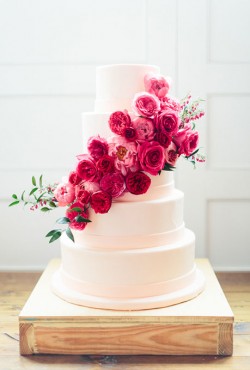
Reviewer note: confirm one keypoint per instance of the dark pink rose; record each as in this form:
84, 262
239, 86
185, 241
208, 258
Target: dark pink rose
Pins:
156, 84
101, 202
97, 147
186, 141
64, 194
144, 128
124, 154
118, 121
167, 122
73, 215
170, 103
113, 183
171, 154
86, 168
130, 133
145, 104
82, 195
74, 179
151, 156
105, 164
163, 139
137, 183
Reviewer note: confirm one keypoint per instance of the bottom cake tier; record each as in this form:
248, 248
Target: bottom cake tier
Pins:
130, 279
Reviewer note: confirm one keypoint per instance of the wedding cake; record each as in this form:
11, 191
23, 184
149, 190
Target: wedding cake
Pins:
136, 254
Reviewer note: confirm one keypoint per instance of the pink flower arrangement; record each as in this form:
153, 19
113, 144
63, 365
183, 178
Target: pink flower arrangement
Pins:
113, 184
86, 168
153, 138
118, 121
167, 122
157, 85
146, 105
75, 212
97, 147
144, 128
101, 201
137, 183
124, 153
152, 157
64, 194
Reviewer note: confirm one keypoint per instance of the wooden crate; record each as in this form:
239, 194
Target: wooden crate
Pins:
203, 325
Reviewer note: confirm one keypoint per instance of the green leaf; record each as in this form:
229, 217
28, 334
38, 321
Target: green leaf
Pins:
63, 220
33, 180
55, 236
41, 181
22, 196
168, 167
52, 204
52, 232
33, 191
196, 151
14, 203
70, 235
40, 196
75, 209
14, 196
79, 218
45, 209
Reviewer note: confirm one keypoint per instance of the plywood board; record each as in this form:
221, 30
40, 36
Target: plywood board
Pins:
202, 325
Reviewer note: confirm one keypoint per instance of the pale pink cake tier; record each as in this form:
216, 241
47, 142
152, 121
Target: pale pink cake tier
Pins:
139, 255
129, 279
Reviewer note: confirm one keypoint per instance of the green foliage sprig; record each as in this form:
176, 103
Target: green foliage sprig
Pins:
39, 197
42, 197
56, 233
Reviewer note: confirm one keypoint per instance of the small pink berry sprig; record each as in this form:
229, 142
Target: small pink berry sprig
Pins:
190, 110
39, 197
196, 157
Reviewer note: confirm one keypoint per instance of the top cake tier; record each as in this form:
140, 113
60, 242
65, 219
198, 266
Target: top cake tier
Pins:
116, 85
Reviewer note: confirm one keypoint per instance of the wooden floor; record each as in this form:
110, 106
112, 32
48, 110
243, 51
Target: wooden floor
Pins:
16, 287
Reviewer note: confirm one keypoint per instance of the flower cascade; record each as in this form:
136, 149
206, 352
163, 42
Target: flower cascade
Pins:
152, 138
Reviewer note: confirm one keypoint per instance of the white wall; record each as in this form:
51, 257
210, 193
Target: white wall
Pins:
48, 53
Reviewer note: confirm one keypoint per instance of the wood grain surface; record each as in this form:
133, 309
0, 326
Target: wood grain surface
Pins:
15, 288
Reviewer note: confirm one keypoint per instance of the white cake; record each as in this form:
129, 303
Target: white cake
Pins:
139, 255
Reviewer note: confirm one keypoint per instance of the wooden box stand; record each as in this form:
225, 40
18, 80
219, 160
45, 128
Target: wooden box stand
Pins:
203, 325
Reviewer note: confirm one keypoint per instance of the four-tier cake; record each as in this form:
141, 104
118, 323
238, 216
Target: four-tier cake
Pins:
138, 255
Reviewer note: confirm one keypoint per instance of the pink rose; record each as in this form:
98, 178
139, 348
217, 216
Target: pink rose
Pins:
86, 168
167, 122
74, 179
113, 183
163, 139
144, 128
186, 141
97, 147
101, 202
91, 187
171, 154
137, 182
130, 133
82, 195
145, 104
118, 121
75, 223
156, 84
152, 157
105, 164
64, 194
124, 154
